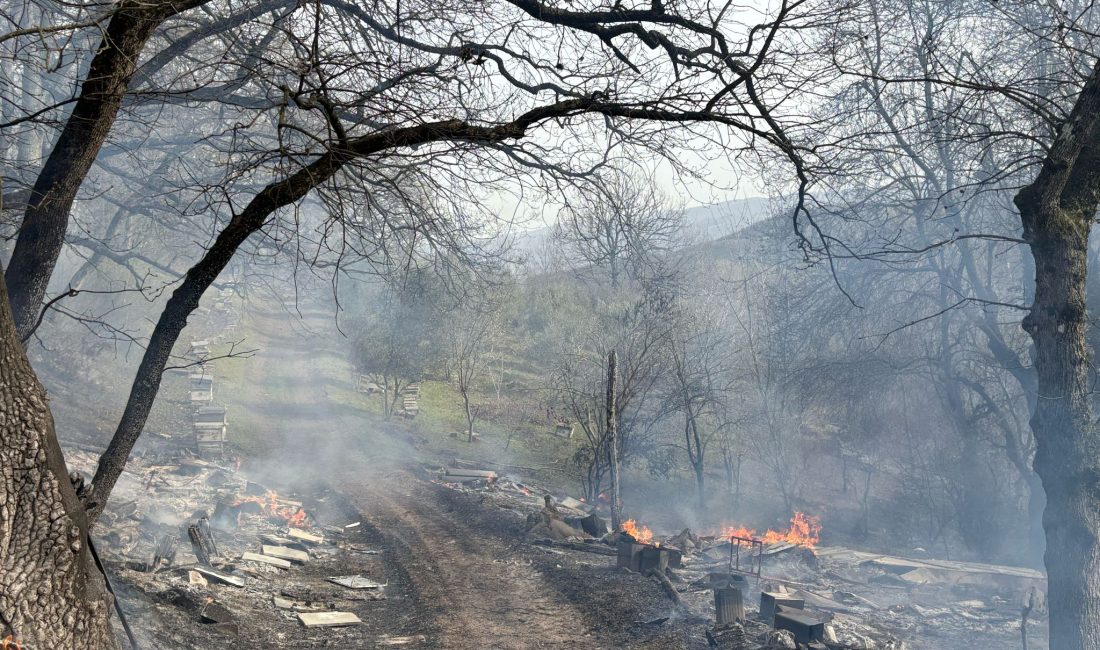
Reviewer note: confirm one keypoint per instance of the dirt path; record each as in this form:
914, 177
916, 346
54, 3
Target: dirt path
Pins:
480, 592
463, 584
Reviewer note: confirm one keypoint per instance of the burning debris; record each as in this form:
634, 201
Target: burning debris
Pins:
235, 567
804, 531
643, 535
782, 588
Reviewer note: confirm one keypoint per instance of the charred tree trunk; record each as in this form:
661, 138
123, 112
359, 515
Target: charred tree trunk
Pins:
46, 218
613, 442
1057, 210
50, 593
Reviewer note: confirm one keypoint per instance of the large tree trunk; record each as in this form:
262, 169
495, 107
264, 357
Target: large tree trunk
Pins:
1056, 212
50, 593
1068, 448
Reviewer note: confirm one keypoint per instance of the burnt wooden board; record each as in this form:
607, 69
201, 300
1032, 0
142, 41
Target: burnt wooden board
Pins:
328, 619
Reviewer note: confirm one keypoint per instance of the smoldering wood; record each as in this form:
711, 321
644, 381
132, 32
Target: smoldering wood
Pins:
470, 473
220, 577
165, 552
200, 545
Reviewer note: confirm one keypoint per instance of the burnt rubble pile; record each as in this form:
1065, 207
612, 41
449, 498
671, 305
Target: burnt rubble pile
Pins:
743, 593
187, 540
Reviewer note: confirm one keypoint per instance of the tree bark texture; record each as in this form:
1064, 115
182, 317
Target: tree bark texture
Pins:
51, 595
1057, 210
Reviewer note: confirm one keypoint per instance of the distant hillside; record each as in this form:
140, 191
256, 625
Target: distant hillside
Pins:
722, 219
703, 223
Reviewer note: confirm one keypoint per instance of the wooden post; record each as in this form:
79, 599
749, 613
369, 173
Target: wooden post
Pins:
613, 442
198, 544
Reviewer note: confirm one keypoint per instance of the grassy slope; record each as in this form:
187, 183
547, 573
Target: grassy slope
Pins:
272, 377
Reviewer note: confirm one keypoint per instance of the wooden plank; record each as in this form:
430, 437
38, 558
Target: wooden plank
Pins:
304, 536
328, 619
273, 561
232, 581
284, 553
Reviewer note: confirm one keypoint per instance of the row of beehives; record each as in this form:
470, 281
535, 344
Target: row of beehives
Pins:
209, 423
410, 395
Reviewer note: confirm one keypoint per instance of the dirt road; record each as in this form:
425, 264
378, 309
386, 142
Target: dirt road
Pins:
459, 576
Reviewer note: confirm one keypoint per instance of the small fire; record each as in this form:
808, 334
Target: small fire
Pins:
9, 643
293, 515
644, 535
805, 530
740, 532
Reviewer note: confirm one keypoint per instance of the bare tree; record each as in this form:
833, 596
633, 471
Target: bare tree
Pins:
1036, 127
398, 338
699, 380
320, 107
470, 330
617, 226
636, 327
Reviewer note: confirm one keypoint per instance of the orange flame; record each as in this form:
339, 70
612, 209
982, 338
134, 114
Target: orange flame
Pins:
643, 535
805, 530
9, 643
269, 503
